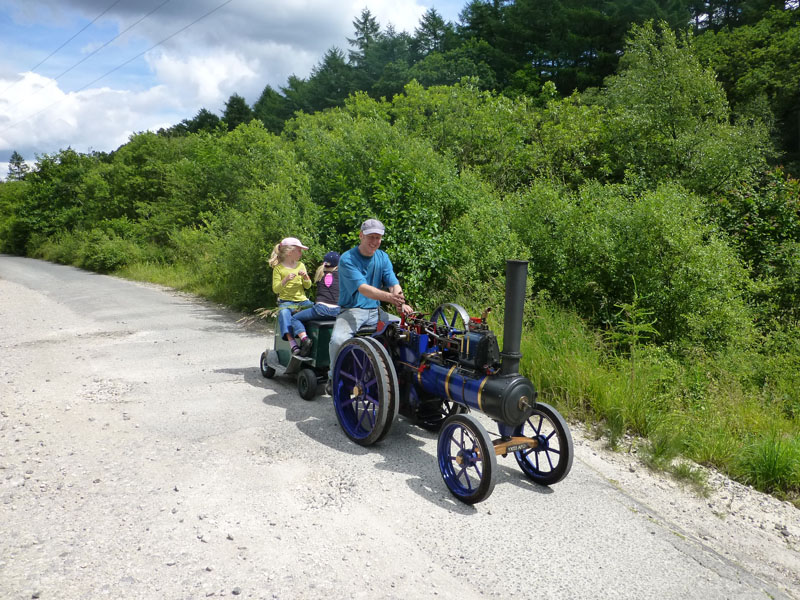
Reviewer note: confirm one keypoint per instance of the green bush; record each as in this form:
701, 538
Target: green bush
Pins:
763, 220
104, 254
362, 167
243, 242
480, 242
589, 247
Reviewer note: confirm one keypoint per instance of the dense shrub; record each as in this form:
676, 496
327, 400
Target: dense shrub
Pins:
590, 248
244, 239
509, 142
95, 250
763, 220
362, 167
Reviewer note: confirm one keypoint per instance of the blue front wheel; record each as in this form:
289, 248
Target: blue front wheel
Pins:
466, 458
551, 460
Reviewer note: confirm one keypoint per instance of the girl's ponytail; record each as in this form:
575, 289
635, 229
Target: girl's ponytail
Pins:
274, 257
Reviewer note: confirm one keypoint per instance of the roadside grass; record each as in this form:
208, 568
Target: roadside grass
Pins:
174, 275
689, 409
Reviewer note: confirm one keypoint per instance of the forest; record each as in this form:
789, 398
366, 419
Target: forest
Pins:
642, 156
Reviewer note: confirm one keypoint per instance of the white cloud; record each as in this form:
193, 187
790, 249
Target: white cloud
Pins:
241, 48
38, 117
204, 80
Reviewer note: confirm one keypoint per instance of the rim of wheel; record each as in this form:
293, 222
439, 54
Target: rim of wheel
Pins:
392, 390
551, 460
360, 387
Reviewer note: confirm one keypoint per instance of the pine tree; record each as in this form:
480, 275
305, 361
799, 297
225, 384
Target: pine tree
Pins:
431, 33
273, 109
17, 168
237, 112
367, 31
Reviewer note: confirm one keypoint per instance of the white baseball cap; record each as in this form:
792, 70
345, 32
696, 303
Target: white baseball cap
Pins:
290, 241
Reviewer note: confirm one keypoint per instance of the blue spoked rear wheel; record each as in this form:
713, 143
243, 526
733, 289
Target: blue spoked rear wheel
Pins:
363, 395
392, 395
551, 460
466, 458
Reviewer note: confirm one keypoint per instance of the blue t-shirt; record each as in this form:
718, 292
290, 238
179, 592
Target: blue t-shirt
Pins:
356, 269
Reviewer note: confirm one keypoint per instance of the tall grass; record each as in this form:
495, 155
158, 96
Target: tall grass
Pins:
690, 407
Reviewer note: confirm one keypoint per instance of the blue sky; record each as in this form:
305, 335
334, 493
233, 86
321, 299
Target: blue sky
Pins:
136, 65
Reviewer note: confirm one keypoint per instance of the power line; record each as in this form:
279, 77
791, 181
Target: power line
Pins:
112, 39
85, 27
95, 51
169, 37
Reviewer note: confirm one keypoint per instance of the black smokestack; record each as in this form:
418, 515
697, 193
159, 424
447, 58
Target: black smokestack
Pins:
516, 277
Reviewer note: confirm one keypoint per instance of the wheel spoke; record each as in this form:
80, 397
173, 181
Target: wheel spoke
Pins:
370, 415
537, 428
467, 481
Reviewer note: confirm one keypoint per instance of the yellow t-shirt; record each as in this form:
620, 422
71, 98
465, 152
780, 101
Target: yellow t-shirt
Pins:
294, 290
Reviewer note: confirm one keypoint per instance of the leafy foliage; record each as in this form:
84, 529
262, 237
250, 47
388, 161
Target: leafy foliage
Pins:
362, 167
671, 117
587, 247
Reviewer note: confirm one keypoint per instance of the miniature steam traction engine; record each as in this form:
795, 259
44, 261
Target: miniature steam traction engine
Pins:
434, 371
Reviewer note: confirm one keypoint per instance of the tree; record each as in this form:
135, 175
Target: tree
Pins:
273, 109
204, 120
484, 20
17, 168
330, 82
298, 94
759, 67
367, 31
672, 116
719, 15
576, 43
431, 34
237, 111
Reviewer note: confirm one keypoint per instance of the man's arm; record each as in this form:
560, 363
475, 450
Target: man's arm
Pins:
393, 296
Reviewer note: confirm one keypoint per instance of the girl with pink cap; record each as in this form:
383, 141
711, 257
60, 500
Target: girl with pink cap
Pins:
290, 281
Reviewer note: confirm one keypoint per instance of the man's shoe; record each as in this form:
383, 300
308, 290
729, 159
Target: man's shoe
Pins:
305, 346
296, 351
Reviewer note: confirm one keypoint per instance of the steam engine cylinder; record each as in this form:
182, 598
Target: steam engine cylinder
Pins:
507, 399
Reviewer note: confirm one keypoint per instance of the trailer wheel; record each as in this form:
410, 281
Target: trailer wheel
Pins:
307, 384
266, 370
361, 392
466, 458
551, 461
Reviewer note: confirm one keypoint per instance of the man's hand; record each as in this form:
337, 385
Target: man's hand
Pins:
397, 298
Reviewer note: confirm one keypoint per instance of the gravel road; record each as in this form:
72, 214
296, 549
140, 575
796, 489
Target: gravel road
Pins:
142, 455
